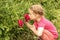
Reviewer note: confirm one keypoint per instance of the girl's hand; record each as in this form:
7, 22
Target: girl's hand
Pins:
29, 26
36, 32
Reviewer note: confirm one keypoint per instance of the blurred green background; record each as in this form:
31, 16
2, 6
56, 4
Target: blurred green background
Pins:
12, 10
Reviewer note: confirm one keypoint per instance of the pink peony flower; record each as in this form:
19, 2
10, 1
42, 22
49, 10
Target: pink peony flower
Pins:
26, 16
21, 23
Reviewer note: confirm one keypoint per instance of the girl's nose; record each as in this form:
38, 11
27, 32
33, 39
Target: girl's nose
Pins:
29, 15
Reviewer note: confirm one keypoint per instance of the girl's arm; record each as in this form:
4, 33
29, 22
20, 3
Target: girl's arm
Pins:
37, 32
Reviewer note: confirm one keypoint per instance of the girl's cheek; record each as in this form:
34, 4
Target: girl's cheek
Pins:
33, 17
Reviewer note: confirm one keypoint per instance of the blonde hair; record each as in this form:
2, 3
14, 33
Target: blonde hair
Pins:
37, 9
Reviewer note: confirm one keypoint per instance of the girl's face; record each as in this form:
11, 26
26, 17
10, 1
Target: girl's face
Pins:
33, 15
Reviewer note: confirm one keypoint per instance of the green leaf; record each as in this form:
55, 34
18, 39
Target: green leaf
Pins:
31, 22
0, 32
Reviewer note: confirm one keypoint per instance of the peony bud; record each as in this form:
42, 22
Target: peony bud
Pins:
21, 23
27, 18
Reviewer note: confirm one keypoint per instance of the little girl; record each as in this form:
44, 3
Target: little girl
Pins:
42, 27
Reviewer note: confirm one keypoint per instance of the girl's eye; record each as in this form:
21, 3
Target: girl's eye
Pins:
29, 14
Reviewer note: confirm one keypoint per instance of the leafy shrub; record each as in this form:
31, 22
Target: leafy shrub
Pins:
12, 10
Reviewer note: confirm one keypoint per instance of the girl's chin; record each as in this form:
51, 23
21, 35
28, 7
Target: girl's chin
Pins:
33, 19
